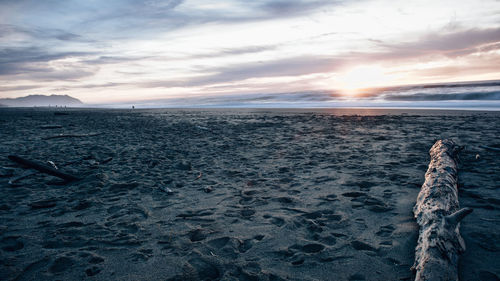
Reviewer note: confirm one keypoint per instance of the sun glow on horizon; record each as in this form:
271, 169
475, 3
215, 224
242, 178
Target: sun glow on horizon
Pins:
363, 77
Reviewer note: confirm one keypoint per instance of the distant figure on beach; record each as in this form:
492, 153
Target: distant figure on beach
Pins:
133, 107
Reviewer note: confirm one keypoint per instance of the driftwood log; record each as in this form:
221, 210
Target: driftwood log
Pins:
43, 168
490, 148
438, 215
72, 136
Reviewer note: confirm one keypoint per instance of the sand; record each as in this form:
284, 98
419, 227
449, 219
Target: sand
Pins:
237, 194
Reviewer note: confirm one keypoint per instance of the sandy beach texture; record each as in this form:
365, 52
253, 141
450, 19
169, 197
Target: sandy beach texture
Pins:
237, 194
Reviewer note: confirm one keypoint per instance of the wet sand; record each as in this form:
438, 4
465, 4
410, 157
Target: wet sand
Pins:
237, 194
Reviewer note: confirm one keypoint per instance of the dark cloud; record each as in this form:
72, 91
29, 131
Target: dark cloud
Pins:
7, 30
48, 74
310, 96
101, 60
249, 99
318, 98
293, 7
454, 44
146, 17
34, 54
237, 51
104, 85
296, 66
17, 88
458, 85
456, 41
32, 63
445, 97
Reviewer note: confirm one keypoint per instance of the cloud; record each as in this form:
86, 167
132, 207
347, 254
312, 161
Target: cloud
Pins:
248, 99
295, 66
445, 97
235, 51
120, 19
459, 43
101, 60
34, 54
9, 30
18, 88
104, 85
36, 64
293, 7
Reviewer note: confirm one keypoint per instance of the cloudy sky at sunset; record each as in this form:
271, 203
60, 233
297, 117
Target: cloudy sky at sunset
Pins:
120, 51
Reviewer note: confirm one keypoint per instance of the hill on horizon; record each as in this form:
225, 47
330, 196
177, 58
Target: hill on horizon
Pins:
42, 100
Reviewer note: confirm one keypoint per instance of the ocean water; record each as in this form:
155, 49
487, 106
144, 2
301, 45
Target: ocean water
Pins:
483, 95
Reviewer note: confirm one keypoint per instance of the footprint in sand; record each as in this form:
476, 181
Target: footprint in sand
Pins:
11, 243
219, 242
312, 248
205, 269
284, 200
354, 194
361, 246
279, 222
357, 277
247, 213
331, 197
245, 245
91, 271
61, 264
198, 234
43, 204
386, 230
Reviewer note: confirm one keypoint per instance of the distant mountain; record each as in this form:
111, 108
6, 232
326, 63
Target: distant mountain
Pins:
42, 100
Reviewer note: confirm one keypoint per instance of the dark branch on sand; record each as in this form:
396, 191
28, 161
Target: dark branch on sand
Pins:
50, 126
438, 215
24, 175
43, 168
490, 148
72, 136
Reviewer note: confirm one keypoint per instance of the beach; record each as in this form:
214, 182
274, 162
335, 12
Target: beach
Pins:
237, 194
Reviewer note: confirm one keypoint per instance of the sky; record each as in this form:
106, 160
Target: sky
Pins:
106, 52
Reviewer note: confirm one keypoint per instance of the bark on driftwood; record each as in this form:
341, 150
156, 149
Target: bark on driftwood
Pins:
438, 215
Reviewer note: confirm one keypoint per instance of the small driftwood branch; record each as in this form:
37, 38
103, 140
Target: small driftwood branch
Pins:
43, 168
438, 215
50, 126
490, 148
26, 174
107, 160
72, 136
